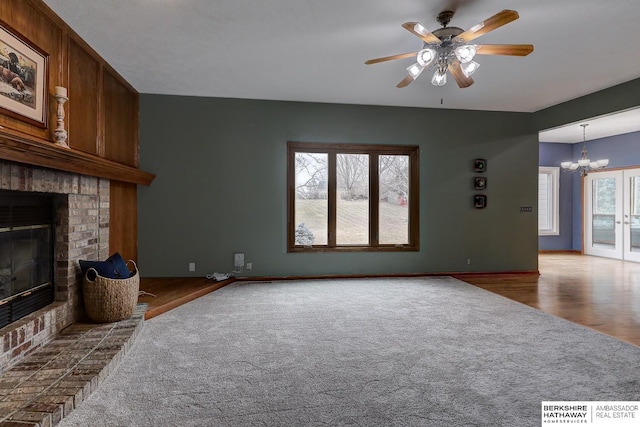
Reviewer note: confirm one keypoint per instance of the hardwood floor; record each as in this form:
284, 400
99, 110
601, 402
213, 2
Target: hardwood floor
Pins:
599, 293
165, 294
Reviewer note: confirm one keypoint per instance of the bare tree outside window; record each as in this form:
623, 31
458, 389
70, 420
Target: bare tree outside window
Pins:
311, 218
352, 197
394, 199
352, 206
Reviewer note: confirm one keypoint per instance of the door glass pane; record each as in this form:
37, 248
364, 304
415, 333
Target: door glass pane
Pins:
604, 212
352, 206
311, 205
393, 227
635, 214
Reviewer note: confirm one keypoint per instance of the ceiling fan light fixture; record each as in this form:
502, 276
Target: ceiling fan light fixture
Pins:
449, 49
439, 78
469, 68
426, 57
465, 53
415, 70
420, 29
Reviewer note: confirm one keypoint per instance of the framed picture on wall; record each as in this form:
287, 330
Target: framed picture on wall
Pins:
23, 78
480, 165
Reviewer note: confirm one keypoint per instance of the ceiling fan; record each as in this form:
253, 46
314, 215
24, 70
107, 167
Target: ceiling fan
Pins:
449, 49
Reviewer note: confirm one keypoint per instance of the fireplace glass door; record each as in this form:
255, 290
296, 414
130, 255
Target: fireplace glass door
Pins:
26, 254
25, 259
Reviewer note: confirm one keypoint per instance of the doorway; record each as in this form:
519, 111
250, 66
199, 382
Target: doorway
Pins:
612, 214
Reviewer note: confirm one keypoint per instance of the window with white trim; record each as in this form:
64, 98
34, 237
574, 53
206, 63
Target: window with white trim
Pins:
548, 201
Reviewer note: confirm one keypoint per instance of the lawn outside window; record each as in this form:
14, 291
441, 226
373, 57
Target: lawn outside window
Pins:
346, 197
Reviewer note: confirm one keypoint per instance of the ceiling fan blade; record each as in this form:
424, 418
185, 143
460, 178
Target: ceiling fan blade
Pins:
406, 82
490, 24
419, 30
391, 58
462, 80
504, 49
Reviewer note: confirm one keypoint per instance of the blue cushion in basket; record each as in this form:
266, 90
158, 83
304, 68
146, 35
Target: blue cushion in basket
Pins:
114, 267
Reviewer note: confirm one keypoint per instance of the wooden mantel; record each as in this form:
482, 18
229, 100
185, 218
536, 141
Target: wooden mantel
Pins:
34, 151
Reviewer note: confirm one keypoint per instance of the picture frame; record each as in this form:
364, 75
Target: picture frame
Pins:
24, 78
479, 183
480, 165
479, 201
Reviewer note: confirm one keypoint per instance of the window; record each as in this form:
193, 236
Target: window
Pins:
352, 197
548, 201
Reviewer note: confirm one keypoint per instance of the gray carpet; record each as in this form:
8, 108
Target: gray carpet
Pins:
383, 352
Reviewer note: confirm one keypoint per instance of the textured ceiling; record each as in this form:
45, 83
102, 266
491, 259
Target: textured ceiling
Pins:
312, 50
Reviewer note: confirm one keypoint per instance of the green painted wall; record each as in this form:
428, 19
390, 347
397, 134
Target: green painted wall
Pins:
221, 185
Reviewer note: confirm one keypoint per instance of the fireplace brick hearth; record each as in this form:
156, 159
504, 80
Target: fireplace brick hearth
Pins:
81, 232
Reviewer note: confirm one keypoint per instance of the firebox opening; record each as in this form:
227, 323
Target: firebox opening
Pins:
26, 253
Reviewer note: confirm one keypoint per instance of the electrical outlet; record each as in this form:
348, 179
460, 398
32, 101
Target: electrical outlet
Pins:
249, 265
238, 260
192, 266
468, 261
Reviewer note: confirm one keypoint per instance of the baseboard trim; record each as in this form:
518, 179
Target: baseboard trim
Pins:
382, 276
570, 252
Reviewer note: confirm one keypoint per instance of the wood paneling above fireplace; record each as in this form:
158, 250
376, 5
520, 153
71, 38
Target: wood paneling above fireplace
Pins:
101, 114
101, 118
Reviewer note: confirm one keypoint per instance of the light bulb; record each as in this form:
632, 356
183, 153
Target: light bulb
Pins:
415, 70
439, 78
469, 68
426, 56
465, 53
418, 28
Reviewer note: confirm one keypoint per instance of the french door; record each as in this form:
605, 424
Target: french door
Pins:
612, 214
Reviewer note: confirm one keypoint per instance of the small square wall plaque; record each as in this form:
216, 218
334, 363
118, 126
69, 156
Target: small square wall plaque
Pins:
480, 165
479, 183
479, 201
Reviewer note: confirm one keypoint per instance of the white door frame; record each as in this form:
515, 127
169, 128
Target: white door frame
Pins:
628, 253
602, 249
621, 247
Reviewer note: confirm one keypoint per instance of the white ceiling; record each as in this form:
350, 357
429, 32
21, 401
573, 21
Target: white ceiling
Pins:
314, 50
598, 127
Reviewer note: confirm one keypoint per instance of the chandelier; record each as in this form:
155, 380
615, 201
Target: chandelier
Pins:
584, 165
441, 57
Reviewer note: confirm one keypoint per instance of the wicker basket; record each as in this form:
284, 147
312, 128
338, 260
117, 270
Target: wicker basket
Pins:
110, 300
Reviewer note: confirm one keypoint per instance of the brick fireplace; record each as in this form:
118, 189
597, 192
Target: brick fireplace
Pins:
81, 231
